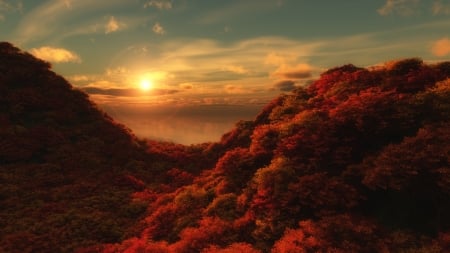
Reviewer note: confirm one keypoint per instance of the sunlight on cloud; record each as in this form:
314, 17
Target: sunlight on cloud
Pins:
113, 25
158, 29
236, 69
79, 78
441, 47
55, 55
68, 4
401, 7
233, 89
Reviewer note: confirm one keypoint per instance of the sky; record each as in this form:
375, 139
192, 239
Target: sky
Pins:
139, 58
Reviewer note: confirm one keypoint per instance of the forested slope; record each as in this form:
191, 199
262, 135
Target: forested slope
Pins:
356, 162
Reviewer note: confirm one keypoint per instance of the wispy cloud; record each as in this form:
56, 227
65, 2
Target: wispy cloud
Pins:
401, 7
158, 29
236, 69
55, 55
440, 7
159, 4
59, 18
441, 47
7, 6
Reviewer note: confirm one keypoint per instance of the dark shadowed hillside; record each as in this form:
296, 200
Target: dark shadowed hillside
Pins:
67, 170
359, 161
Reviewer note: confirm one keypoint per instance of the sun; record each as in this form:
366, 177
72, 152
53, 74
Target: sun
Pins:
146, 84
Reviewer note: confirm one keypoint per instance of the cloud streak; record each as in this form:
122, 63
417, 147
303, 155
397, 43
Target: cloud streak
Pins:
57, 19
55, 55
127, 92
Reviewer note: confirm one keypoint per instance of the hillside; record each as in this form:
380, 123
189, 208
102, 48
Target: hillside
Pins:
356, 162
66, 169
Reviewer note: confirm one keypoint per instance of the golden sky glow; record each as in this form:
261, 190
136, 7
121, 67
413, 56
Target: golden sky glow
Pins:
217, 53
146, 84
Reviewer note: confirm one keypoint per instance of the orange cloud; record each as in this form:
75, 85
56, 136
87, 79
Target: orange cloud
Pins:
233, 89
441, 47
236, 69
186, 86
55, 55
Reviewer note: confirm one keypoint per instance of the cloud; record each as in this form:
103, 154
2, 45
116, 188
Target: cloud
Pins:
58, 19
186, 86
159, 4
301, 71
441, 47
55, 55
158, 29
68, 4
79, 78
440, 8
233, 89
236, 69
113, 25
401, 7
285, 85
127, 92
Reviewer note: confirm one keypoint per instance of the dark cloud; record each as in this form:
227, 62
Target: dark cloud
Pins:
300, 74
301, 71
285, 85
126, 92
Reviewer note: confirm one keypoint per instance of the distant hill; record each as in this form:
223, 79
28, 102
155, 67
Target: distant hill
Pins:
359, 161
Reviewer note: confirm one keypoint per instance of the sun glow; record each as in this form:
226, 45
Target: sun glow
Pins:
146, 84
